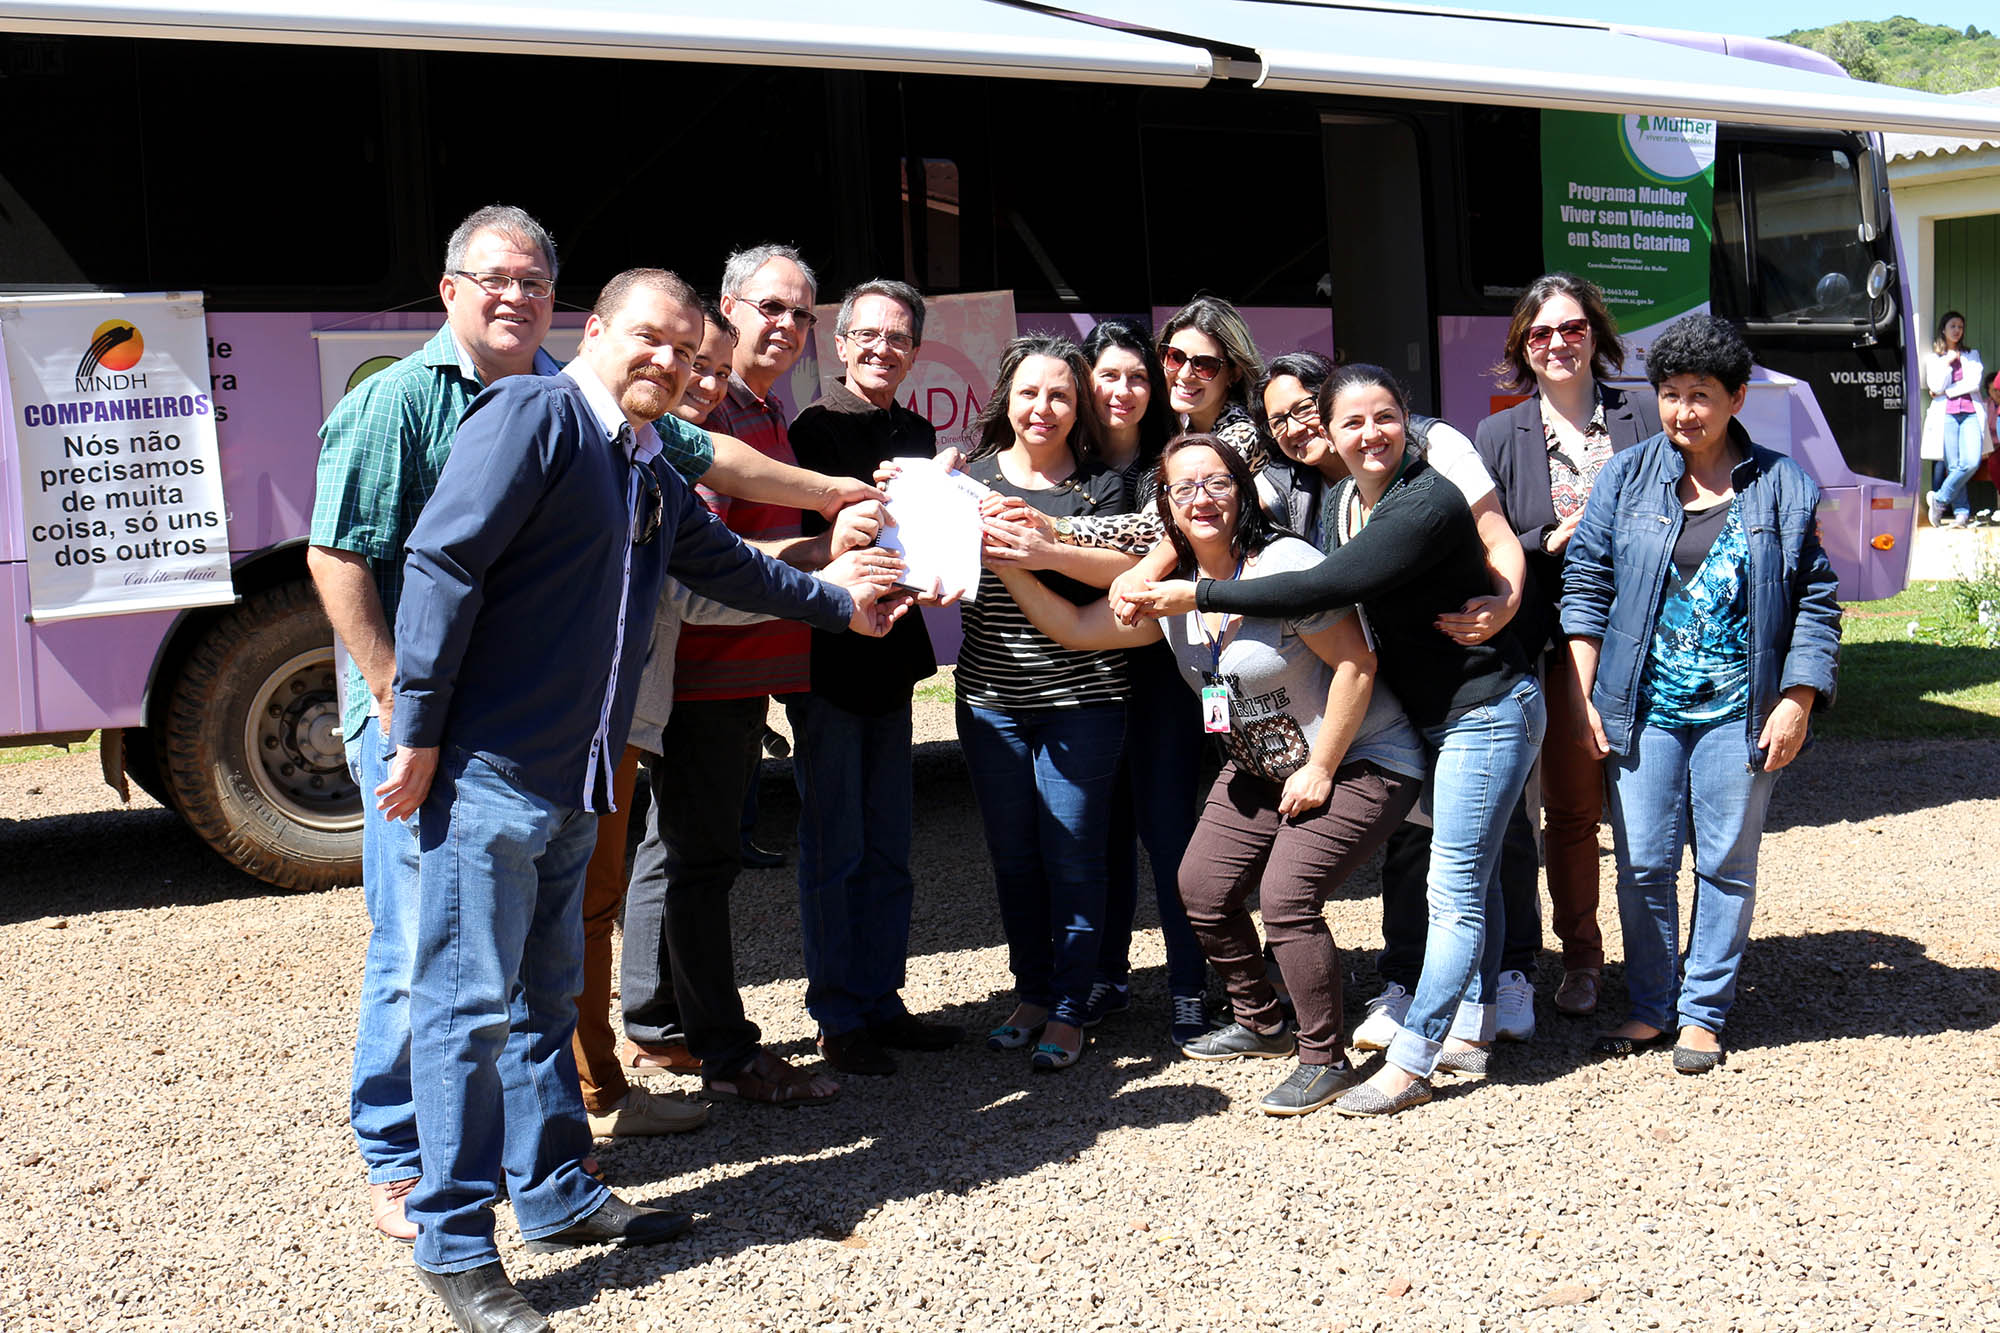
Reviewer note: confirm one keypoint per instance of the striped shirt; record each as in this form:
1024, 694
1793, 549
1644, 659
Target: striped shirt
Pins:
1004, 661
745, 661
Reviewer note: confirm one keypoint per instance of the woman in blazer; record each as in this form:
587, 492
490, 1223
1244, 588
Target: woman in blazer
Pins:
1544, 452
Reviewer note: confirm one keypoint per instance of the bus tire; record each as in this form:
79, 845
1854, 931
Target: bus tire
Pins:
251, 744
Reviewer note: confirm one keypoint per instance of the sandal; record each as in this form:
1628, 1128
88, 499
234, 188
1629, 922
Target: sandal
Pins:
1006, 1037
1049, 1056
770, 1081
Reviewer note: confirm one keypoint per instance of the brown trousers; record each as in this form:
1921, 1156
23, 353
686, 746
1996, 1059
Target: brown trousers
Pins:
1242, 843
1572, 805
595, 1042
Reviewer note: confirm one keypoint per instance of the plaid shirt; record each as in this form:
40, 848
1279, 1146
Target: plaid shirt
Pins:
382, 451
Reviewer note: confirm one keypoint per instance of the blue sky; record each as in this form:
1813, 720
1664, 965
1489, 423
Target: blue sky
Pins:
1765, 19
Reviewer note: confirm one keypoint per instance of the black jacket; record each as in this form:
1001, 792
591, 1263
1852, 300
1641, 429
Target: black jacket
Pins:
1515, 450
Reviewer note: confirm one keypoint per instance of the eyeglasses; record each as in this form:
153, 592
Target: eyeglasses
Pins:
901, 342
497, 284
1219, 485
1572, 331
652, 507
1206, 368
773, 310
1304, 414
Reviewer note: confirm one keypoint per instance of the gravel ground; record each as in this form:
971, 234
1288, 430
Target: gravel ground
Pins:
174, 1151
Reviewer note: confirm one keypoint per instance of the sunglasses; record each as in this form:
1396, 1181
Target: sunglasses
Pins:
652, 507
1572, 331
1206, 368
774, 310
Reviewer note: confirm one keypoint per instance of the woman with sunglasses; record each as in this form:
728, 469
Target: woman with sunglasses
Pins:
1409, 552
1320, 766
1041, 726
1160, 771
1544, 452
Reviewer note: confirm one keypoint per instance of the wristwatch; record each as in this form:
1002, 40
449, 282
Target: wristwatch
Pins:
1065, 527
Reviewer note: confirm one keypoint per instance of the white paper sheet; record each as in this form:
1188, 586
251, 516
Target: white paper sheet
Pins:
937, 528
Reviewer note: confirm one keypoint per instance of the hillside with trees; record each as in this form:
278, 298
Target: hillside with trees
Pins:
1910, 54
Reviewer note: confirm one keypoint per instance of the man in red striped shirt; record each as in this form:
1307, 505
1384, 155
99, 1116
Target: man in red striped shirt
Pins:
723, 679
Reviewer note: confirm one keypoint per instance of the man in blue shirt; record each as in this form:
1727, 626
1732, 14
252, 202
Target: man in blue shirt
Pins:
527, 609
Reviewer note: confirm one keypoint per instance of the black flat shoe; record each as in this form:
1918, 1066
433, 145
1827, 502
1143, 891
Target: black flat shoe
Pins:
615, 1222
760, 858
856, 1052
1632, 1045
1687, 1060
907, 1032
482, 1300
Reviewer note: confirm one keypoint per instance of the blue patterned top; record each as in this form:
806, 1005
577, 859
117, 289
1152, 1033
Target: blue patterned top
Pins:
1698, 671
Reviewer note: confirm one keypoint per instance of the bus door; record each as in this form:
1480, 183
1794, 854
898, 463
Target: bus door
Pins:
1377, 225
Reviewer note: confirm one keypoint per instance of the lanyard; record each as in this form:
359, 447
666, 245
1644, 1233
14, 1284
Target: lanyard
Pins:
1215, 644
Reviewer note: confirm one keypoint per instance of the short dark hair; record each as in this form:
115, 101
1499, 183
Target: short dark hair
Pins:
1310, 369
1512, 369
1254, 530
995, 432
902, 293
1700, 344
617, 291
1158, 425
711, 313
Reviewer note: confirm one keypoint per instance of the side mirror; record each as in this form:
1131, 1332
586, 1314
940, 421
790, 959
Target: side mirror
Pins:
1878, 278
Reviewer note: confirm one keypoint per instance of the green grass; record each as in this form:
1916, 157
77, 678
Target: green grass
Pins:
28, 753
1893, 688
938, 689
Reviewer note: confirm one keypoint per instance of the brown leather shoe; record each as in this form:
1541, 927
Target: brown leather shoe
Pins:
671, 1057
641, 1113
855, 1052
1578, 993
385, 1208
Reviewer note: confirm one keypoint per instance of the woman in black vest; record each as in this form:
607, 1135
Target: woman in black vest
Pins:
1544, 452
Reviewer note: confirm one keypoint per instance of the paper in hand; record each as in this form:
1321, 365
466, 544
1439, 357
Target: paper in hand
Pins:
937, 527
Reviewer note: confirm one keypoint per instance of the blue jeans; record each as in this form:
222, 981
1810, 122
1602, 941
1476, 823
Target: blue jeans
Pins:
379, 1106
1480, 762
1157, 801
1962, 444
492, 1006
855, 811
1043, 777
1406, 915
1677, 785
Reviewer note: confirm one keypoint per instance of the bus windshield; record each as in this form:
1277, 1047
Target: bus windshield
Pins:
1789, 236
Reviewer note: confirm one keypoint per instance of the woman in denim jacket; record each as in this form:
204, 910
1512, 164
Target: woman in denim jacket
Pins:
1704, 631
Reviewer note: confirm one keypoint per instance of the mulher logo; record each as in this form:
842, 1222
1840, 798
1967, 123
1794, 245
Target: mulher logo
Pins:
115, 347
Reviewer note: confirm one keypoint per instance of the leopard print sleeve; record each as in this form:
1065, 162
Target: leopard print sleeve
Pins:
1134, 534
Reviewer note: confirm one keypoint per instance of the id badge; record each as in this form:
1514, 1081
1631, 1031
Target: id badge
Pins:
1215, 708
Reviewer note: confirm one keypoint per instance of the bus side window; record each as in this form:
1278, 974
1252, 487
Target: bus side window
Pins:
1502, 220
930, 224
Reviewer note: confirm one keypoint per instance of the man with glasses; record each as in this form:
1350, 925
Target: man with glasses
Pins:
851, 752
385, 444
526, 615
679, 965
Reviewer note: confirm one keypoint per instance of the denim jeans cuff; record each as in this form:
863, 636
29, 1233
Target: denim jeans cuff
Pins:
388, 1173
1413, 1054
595, 1199
1475, 1022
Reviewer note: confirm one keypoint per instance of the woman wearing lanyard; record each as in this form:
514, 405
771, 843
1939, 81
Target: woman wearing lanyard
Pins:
1543, 453
1415, 554
1320, 768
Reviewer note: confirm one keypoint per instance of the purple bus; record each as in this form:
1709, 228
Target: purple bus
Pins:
1360, 176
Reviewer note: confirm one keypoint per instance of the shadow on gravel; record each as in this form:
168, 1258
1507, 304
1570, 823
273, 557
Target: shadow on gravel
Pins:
1849, 780
945, 1123
1796, 990
111, 861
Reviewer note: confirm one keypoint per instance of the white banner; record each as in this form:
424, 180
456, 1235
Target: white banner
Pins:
349, 356
112, 428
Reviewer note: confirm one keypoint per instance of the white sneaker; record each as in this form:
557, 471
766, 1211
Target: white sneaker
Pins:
1937, 510
1384, 1020
1516, 1005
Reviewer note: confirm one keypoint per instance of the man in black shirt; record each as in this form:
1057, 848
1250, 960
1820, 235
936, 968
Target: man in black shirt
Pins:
851, 734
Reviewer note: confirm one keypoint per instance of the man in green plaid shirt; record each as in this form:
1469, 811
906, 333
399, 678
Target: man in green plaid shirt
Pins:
384, 446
